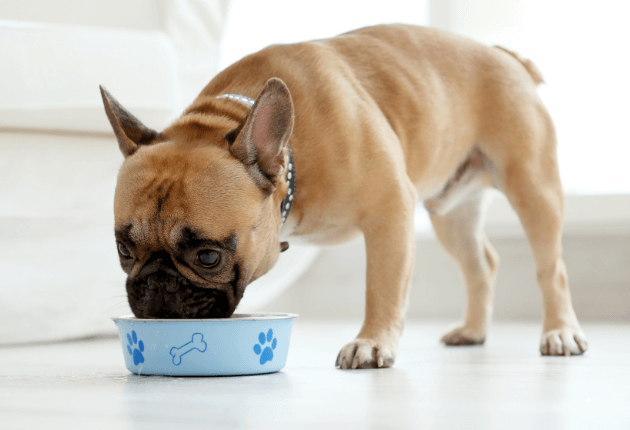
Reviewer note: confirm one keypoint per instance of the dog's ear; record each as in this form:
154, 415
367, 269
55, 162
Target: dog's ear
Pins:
129, 131
260, 141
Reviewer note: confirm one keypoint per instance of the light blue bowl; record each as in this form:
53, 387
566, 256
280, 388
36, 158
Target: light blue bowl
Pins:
245, 344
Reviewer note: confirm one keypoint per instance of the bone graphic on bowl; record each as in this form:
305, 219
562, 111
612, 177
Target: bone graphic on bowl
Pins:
196, 343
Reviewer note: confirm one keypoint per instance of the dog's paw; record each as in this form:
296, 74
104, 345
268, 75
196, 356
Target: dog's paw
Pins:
563, 342
464, 335
364, 354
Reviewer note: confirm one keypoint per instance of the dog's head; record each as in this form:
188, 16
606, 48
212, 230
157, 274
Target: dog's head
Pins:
197, 206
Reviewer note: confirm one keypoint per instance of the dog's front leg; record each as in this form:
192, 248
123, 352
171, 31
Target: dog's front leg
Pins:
390, 245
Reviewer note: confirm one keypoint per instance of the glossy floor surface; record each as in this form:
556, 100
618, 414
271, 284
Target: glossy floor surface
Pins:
505, 384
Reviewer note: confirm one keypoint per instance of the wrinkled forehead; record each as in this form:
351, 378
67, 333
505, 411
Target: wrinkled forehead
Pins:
164, 190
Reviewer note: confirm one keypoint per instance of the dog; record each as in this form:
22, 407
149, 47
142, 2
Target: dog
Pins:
327, 140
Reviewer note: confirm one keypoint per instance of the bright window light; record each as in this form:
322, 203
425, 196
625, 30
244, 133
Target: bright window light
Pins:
252, 24
581, 49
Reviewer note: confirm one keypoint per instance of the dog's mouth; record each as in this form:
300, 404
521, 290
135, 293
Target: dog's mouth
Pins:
170, 295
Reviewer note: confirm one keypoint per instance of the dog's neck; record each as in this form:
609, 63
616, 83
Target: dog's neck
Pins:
287, 201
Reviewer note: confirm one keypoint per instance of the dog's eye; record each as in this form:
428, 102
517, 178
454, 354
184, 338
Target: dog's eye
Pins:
124, 251
208, 258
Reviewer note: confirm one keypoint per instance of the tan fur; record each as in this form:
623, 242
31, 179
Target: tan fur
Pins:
384, 116
528, 64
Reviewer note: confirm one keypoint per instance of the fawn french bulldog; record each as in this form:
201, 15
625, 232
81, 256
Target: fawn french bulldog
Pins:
331, 139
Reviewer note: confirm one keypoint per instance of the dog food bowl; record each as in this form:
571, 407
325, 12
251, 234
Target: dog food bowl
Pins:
244, 344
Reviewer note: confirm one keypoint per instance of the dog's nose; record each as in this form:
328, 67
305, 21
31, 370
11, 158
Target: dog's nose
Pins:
163, 281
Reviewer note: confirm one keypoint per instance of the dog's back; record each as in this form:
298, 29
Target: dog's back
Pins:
443, 94
423, 81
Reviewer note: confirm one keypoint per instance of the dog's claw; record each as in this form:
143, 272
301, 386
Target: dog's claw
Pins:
563, 342
364, 354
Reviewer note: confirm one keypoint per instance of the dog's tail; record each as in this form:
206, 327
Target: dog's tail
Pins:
529, 65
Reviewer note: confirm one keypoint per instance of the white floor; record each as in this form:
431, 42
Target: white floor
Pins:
505, 384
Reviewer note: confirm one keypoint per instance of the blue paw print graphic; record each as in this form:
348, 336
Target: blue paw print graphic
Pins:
132, 342
266, 354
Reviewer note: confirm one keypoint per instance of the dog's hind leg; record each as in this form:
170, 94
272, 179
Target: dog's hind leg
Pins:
534, 191
460, 233
521, 143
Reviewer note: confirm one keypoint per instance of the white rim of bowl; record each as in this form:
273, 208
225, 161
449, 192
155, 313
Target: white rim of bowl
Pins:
235, 317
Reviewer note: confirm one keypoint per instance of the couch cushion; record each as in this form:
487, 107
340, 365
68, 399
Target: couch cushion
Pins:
51, 73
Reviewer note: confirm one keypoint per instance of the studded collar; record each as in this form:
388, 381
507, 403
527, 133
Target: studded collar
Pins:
287, 202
